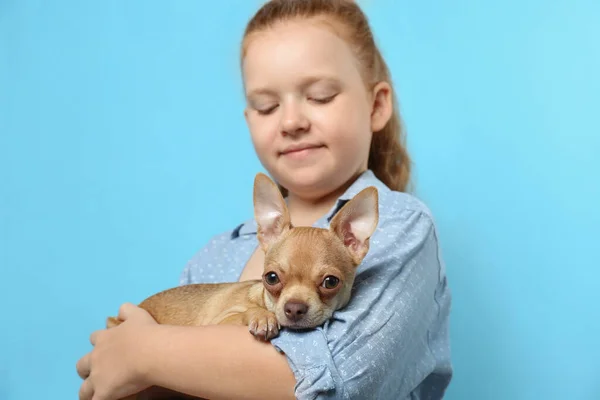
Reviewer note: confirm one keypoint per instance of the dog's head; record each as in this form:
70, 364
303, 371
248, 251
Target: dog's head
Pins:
309, 272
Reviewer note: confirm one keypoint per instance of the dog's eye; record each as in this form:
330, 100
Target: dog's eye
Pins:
330, 282
271, 278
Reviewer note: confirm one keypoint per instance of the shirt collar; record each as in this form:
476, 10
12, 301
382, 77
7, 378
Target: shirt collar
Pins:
364, 180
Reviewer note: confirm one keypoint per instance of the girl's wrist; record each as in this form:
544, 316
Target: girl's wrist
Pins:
144, 358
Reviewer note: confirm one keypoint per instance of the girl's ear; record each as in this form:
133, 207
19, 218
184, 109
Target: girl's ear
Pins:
270, 211
382, 107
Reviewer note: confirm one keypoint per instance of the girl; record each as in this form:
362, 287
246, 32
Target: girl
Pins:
323, 121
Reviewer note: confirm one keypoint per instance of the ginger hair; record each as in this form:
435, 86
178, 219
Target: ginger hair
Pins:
388, 157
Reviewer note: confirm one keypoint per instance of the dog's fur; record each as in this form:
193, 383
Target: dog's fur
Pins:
308, 274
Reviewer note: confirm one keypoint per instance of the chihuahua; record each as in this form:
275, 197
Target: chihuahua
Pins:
308, 273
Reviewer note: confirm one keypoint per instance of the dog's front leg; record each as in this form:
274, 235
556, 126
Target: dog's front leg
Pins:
261, 322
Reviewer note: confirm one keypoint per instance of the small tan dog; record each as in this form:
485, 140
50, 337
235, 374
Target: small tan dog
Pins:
309, 273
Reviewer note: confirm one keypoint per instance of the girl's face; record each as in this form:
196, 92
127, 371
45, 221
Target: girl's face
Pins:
309, 113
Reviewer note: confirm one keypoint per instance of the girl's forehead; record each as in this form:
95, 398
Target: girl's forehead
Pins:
293, 48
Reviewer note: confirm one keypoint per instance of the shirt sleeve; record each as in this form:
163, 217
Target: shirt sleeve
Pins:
390, 340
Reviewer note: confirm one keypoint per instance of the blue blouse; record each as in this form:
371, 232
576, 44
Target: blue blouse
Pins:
392, 340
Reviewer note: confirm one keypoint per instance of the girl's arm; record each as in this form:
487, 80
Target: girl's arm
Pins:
216, 362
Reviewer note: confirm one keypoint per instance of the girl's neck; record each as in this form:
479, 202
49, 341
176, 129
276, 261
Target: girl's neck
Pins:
305, 211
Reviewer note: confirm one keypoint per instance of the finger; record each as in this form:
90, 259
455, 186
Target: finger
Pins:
95, 336
83, 366
126, 310
86, 391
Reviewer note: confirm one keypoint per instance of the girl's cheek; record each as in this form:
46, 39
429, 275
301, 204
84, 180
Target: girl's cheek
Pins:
265, 141
261, 129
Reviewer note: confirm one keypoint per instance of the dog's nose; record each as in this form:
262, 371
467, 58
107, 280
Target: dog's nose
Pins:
295, 310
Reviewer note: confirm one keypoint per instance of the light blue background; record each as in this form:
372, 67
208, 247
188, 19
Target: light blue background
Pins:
123, 148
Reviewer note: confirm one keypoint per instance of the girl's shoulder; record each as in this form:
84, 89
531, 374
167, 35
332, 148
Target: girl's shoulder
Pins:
406, 231
399, 212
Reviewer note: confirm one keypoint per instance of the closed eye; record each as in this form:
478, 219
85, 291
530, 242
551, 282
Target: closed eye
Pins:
323, 100
267, 111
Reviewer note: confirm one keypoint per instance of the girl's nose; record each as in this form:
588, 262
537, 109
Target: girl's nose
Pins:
293, 120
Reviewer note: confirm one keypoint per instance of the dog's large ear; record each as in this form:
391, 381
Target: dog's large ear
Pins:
270, 211
356, 221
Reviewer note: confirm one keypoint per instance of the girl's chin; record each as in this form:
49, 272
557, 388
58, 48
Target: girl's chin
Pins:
304, 178
310, 188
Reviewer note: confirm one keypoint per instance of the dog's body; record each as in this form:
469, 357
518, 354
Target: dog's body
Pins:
308, 274
212, 304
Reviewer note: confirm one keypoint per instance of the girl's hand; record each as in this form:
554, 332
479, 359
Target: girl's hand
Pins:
114, 369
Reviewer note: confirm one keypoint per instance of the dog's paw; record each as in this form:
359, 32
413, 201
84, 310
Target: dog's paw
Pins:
264, 325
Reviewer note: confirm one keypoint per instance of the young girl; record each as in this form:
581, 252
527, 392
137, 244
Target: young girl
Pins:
323, 121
